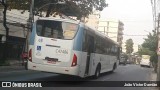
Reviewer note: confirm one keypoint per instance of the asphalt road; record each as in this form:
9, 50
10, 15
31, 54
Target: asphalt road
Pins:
123, 73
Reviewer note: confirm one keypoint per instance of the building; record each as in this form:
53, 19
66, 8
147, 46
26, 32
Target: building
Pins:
93, 19
112, 28
17, 33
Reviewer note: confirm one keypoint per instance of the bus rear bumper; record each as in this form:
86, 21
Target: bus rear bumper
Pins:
145, 64
54, 69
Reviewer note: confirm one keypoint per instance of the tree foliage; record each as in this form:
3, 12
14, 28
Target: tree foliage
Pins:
78, 8
125, 56
151, 43
129, 46
144, 51
5, 49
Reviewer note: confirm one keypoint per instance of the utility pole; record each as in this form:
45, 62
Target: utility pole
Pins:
5, 49
158, 51
30, 23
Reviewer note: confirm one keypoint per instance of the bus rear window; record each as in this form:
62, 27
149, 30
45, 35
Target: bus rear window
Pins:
56, 29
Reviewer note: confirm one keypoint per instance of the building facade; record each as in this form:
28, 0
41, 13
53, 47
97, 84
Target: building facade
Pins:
112, 28
16, 23
93, 19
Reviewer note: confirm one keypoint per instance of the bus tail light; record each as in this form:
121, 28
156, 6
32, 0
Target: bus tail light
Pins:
30, 55
74, 61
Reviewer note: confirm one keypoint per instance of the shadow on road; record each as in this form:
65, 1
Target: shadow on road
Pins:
71, 81
60, 77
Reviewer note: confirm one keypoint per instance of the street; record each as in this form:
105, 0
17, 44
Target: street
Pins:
123, 73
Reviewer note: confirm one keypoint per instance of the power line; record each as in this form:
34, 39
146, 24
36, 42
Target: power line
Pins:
133, 35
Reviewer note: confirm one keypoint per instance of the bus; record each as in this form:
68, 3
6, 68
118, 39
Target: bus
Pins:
145, 61
70, 47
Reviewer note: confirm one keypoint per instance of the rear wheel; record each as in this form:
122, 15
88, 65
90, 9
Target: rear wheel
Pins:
114, 67
97, 73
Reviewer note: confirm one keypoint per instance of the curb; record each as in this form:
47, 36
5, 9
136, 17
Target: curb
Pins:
11, 68
154, 78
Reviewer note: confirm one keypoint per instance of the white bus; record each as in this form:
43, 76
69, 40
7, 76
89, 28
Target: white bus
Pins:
70, 47
145, 61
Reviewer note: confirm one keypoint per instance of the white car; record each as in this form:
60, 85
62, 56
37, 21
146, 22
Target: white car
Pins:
145, 61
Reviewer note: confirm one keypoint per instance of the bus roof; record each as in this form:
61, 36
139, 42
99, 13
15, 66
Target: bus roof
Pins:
58, 19
102, 35
77, 22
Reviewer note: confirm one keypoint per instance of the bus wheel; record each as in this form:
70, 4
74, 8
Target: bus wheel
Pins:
114, 67
98, 70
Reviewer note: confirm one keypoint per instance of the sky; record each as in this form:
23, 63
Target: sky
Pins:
135, 14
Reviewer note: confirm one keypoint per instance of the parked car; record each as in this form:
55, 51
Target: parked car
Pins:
122, 60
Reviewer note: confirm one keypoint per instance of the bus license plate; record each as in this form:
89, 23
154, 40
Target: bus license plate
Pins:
51, 61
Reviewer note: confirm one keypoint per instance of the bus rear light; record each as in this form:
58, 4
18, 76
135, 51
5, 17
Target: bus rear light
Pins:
74, 61
30, 55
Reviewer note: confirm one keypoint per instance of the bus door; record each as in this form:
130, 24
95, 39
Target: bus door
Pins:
90, 49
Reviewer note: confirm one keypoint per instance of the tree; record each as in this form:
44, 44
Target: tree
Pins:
151, 43
5, 49
78, 8
129, 46
144, 51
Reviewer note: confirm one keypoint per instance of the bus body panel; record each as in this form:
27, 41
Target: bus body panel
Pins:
53, 69
82, 64
106, 62
48, 48
60, 68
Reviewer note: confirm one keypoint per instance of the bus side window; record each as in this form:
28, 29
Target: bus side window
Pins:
118, 53
112, 49
106, 48
109, 48
84, 46
103, 45
97, 45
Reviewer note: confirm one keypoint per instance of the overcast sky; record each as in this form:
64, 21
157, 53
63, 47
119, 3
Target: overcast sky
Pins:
135, 14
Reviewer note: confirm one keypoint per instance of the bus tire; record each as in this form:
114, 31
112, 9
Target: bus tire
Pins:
114, 67
98, 70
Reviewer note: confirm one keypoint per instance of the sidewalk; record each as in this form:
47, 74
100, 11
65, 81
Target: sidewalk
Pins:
154, 78
14, 66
